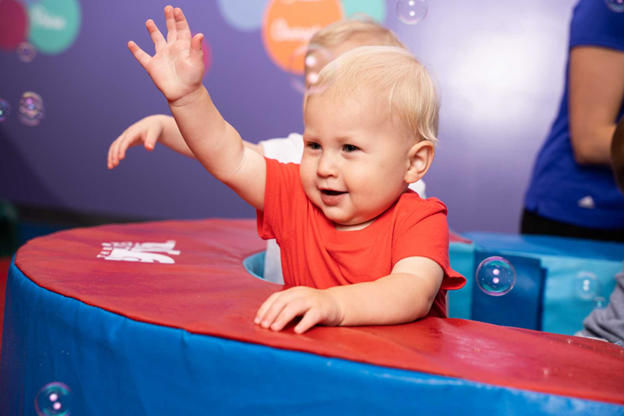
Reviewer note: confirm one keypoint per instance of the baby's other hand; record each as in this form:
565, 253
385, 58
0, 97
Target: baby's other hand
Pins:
177, 67
145, 131
315, 305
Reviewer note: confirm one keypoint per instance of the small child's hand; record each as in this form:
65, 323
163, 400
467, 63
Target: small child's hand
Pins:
177, 67
145, 131
317, 307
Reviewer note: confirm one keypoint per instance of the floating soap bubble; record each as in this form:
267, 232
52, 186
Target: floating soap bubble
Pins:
305, 65
53, 399
586, 285
26, 52
411, 12
5, 109
31, 110
600, 302
615, 5
496, 276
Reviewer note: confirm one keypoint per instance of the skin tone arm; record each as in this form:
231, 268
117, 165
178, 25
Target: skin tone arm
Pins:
596, 86
177, 69
152, 129
617, 155
403, 296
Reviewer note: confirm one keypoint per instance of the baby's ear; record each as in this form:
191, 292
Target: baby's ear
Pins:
419, 159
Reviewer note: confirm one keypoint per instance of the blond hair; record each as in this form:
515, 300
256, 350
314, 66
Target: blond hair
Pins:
386, 71
341, 31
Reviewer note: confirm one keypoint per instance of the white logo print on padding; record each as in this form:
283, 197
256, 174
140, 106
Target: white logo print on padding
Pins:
587, 202
141, 252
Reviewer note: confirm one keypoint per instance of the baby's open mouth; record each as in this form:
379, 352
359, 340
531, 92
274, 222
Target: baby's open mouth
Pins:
330, 192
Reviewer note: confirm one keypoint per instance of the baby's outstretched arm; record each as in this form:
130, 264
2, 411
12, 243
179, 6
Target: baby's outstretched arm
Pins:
177, 69
150, 130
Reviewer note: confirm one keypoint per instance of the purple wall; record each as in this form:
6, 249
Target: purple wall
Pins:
499, 67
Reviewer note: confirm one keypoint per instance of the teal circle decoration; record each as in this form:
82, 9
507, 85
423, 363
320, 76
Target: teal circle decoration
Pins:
244, 15
373, 8
54, 25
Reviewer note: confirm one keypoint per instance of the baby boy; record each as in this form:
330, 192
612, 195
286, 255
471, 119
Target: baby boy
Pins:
358, 247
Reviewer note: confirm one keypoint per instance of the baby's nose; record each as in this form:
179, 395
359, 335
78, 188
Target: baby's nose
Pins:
326, 167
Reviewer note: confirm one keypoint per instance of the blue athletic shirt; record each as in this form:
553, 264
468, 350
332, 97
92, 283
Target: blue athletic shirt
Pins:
560, 189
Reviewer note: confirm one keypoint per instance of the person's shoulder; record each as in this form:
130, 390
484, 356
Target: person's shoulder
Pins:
411, 201
292, 137
276, 165
295, 136
411, 205
286, 150
594, 24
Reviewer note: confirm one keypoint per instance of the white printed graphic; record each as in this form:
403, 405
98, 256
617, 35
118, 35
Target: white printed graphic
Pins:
586, 202
141, 252
282, 32
44, 18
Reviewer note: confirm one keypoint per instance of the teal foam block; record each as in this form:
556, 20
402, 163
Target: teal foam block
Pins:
462, 261
563, 258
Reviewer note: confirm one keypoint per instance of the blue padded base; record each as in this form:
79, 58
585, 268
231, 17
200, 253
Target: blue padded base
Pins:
118, 366
522, 306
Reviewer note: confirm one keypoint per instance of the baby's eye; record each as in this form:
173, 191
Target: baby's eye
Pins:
350, 148
313, 146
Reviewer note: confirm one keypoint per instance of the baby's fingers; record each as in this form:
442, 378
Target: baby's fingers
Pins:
172, 33
311, 318
196, 48
139, 54
112, 150
150, 139
110, 155
182, 27
261, 316
124, 143
115, 153
290, 312
157, 37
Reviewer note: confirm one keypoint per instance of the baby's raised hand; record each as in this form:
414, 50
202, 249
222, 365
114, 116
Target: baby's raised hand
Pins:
315, 305
177, 67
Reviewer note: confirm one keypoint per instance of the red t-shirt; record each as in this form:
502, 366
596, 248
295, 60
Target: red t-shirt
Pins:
315, 254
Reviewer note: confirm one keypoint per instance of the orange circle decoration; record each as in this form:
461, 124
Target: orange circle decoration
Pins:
289, 24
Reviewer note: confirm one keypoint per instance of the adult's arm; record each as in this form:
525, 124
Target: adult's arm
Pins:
596, 94
617, 155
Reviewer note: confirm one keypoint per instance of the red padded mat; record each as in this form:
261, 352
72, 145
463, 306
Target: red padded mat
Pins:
4, 270
208, 291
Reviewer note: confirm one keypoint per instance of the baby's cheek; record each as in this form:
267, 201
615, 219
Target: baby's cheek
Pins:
307, 182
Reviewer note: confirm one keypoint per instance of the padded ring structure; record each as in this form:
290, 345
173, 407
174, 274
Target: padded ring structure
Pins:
157, 318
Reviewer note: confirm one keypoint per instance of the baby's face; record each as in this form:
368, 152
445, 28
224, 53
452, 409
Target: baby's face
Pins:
354, 159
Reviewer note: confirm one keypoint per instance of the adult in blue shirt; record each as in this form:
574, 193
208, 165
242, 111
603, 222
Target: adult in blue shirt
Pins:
608, 323
573, 192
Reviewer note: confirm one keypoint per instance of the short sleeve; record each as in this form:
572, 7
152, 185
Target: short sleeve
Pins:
425, 233
594, 24
282, 195
289, 150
